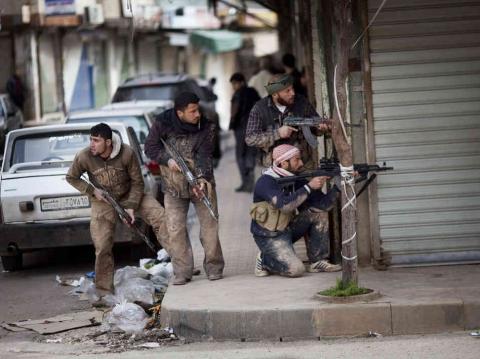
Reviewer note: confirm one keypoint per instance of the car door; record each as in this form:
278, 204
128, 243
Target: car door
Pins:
148, 179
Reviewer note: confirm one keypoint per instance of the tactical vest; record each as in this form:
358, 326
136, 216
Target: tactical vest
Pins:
269, 217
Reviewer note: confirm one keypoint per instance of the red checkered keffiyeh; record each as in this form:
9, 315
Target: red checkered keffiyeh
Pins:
283, 153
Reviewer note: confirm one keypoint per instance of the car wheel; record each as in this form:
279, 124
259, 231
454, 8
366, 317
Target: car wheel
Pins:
12, 263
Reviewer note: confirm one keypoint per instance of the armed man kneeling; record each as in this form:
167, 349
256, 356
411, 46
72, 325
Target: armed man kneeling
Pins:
281, 216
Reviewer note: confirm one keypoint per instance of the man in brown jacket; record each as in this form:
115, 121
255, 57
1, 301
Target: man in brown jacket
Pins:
115, 166
192, 135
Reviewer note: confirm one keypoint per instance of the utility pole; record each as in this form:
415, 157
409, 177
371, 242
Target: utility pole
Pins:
341, 12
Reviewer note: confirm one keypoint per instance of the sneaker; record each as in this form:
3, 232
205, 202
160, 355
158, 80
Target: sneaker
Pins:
259, 270
322, 266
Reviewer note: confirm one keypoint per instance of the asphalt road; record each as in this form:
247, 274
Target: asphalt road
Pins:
445, 346
33, 293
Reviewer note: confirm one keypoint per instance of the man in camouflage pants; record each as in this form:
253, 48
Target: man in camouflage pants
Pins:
115, 166
192, 135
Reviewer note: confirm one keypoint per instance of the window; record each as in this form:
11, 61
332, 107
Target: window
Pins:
138, 123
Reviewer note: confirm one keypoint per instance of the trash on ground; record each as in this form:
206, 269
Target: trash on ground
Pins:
128, 272
61, 323
475, 334
90, 275
58, 340
128, 317
374, 335
149, 345
162, 256
70, 282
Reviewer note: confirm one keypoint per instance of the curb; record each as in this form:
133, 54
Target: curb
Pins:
324, 320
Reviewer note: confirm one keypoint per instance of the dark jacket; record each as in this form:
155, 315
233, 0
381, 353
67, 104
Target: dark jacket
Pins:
290, 198
242, 102
264, 121
195, 144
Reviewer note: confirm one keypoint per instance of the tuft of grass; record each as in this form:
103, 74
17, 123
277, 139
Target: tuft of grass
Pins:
347, 290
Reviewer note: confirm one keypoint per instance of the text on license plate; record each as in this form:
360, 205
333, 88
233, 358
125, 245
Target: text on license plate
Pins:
62, 203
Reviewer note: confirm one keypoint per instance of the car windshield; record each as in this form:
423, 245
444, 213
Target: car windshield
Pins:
157, 92
47, 150
138, 123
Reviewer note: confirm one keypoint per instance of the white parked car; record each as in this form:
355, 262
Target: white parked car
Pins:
38, 207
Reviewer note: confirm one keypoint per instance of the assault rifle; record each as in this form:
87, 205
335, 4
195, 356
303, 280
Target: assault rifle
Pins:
122, 213
331, 168
191, 179
305, 123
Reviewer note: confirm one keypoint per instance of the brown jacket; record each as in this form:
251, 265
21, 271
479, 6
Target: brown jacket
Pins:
120, 174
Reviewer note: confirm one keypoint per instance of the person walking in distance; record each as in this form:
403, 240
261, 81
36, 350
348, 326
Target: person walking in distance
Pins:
243, 100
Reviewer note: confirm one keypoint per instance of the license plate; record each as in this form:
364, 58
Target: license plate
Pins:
63, 203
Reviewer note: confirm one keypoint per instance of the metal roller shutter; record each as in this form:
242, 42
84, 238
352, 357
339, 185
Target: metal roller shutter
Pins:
425, 58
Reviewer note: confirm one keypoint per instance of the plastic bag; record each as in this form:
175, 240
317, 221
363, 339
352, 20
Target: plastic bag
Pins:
159, 282
161, 269
128, 317
128, 272
163, 256
87, 288
135, 289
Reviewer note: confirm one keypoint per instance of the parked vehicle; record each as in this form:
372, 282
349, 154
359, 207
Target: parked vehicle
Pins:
166, 87
38, 208
139, 117
11, 118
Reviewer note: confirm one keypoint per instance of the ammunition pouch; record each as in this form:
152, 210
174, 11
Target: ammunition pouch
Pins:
269, 217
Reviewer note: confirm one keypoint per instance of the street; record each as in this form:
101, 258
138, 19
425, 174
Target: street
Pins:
445, 346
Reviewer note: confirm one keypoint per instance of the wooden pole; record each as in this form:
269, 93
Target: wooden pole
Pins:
341, 30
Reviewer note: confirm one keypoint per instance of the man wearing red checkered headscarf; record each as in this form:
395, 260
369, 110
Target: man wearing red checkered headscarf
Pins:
282, 215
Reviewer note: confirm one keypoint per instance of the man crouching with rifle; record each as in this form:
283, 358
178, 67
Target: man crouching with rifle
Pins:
113, 166
282, 215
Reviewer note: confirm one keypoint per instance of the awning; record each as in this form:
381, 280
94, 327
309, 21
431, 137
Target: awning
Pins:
216, 40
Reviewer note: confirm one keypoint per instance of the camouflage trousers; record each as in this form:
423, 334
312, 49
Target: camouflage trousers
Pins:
102, 229
278, 255
177, 211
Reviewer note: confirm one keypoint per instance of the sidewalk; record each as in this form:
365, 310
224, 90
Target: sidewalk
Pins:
243, 307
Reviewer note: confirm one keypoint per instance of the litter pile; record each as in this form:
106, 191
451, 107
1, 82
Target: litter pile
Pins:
133, 321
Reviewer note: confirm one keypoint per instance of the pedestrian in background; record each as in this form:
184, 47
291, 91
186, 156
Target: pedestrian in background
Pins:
192, 135
243, 99
16, 90
262, 77
289, 66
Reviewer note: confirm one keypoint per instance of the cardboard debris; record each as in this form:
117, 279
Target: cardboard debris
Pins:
60, 323
13, 328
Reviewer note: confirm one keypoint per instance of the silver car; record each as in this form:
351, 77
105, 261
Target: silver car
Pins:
38, 207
